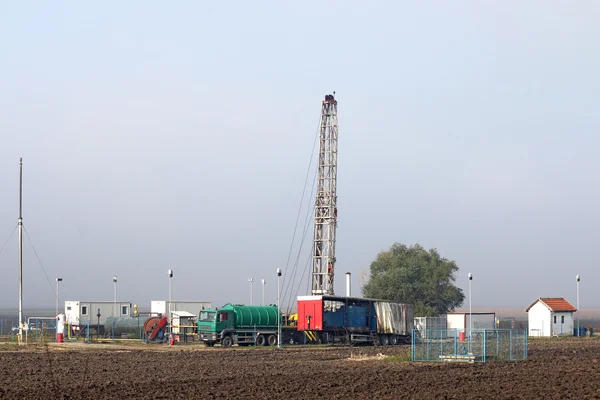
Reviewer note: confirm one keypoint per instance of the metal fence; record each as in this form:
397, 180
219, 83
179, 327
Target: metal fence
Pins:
480, 346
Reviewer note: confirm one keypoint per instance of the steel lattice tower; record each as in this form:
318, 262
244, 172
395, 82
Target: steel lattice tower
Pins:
326, 201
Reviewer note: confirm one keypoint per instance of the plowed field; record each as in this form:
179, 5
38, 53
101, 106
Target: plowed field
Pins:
556, 369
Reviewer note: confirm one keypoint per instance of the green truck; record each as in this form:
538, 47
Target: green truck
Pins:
239, 324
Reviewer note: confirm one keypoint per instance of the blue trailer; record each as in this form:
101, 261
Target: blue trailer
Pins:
355, 320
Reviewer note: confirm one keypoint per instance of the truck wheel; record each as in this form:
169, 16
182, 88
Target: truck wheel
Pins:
272, 340
384, 340
227, 341
394, 340
261, 340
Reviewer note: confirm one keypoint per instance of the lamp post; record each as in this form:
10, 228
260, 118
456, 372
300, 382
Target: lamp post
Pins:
263, 282
278, 309
577, 278
250, 280
57, 296
170, 274
115, 296
470, 312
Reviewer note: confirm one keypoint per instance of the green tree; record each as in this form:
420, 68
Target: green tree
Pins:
415, 276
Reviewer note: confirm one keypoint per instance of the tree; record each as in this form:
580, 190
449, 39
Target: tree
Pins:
415, 276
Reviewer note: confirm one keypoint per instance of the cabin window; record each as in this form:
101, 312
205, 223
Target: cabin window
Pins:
562, 319
124, 310
223, 317
555, 319
83, 310
68, 308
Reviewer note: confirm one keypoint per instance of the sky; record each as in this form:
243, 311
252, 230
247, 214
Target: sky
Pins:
179, 136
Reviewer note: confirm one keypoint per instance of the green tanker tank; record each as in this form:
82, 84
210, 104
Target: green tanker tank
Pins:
241, 324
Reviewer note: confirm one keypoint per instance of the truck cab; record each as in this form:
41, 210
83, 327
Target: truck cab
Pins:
214, 324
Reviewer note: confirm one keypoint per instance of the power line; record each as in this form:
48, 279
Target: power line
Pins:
39, 261
309, 212
288, 282
7, 240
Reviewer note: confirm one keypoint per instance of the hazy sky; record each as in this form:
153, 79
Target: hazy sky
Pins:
178, 136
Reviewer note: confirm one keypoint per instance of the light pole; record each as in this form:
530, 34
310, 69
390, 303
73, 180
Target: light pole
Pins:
115, 296
250, 280
57, 296
470, 312
278, 309
170, 273
263, 282
577, 278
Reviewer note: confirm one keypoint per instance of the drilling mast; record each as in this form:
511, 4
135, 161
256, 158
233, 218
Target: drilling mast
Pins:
326, 200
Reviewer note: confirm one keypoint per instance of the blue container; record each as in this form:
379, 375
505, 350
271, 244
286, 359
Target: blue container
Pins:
334, 318
357, 317
581, 331
574, 331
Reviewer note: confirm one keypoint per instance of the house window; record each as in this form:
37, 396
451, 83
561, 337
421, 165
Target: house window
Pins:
69, 308
83, 310
124, 310
562, 319
555, 319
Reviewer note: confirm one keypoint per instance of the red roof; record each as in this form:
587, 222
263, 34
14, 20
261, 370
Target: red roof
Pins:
554, 304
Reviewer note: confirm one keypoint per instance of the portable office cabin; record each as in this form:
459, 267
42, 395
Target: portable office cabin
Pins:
84, 312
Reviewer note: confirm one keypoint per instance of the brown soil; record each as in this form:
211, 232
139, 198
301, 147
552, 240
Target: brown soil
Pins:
559, 368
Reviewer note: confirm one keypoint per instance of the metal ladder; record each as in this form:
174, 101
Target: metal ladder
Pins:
375, 338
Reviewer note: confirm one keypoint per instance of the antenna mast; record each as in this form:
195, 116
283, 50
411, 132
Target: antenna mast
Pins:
326, 200
21, 251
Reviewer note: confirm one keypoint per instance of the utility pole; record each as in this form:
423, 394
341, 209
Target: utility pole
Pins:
326, 200
115, 297
20, 251
251, 291
170, 273
578, 279
58, 280
263, 282
470, 313
278, 308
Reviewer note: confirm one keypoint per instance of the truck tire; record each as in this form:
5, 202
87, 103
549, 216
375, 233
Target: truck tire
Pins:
227, 341
384, 340
394, 340
272, 340
261, 340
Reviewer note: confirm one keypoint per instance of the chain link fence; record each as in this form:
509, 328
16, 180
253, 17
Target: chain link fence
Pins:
481, 345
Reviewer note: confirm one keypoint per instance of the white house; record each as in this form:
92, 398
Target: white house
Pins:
550, 316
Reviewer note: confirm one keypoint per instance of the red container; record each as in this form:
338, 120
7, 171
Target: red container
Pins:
310, 313
461, 336
171, 340
59, 338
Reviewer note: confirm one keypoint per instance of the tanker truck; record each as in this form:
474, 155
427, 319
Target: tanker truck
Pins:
243, 325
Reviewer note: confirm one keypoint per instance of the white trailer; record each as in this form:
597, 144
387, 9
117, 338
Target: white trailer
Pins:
81, 313
193, 307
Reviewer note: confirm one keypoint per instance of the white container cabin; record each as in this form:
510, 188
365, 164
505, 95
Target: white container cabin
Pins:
80, 313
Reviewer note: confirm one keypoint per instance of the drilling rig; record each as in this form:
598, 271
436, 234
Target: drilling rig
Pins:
326, 200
